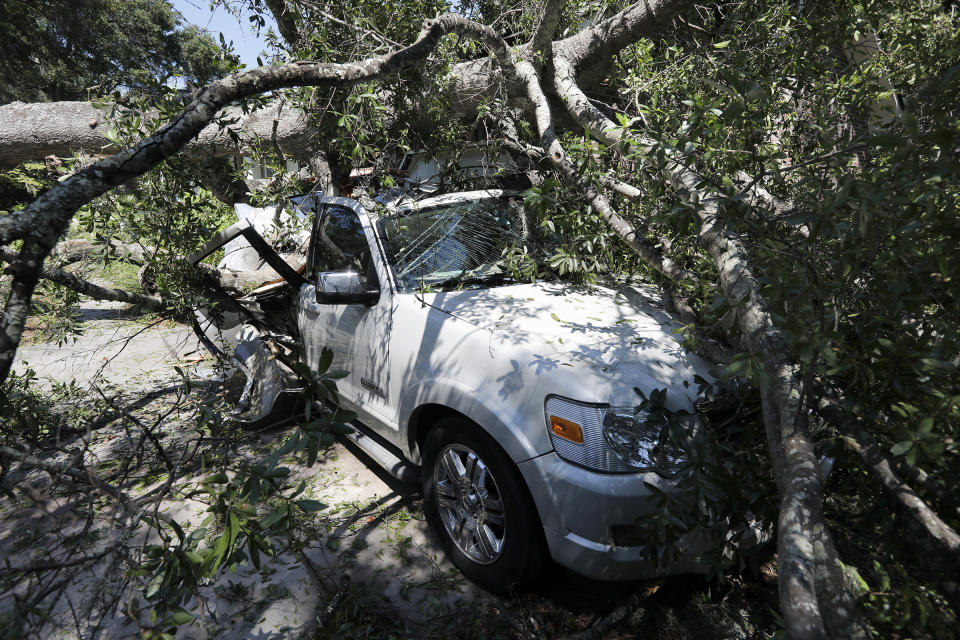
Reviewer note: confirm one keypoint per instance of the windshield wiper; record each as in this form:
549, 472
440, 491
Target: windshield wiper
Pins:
464, 279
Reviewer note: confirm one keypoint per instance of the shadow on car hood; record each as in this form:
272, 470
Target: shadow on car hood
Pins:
562, 317
612, 340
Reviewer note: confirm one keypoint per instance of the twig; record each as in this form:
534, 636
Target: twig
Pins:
335, 601
598, 629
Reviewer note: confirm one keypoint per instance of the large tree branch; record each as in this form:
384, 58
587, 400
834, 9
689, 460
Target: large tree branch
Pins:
42, 222
596, 45
542, 41
76, 250
286, 22
589, 51
33, 131
579, 105
814, 599
813, 595
90, 289
880, 467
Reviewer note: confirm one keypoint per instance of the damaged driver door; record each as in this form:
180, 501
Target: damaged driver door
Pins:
343, 306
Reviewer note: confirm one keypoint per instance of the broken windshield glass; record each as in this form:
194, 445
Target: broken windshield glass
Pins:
457, 244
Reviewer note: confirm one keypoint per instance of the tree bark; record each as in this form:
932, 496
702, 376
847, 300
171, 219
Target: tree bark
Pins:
90, 289
36, 130
590, 52
219, 177
70, 251
881, 468
286, 22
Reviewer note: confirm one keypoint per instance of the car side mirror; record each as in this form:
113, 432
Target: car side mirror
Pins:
344, 287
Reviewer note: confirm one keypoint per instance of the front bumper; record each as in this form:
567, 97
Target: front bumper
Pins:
579, 508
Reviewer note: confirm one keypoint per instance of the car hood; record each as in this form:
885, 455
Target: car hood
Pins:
611, 340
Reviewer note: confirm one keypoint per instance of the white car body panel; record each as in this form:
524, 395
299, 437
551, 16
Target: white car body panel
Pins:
500, 352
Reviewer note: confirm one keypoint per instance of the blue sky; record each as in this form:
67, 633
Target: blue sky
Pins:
246, 44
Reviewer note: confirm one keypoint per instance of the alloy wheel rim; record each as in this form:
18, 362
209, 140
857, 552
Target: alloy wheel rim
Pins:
469, 503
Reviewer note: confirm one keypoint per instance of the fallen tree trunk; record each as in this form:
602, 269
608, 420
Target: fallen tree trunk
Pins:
36, 130
90, 289
78, 250
814, 598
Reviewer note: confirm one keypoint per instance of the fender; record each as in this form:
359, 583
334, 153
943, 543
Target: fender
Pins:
492, 417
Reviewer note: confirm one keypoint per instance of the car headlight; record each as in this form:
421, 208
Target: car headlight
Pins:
610, 439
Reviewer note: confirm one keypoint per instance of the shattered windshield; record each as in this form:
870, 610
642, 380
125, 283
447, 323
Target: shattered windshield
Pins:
452, 245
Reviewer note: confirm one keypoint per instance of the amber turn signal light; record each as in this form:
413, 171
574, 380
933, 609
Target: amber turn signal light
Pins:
567, 430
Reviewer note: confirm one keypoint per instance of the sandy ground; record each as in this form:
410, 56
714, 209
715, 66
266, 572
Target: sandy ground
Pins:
373, 529
114, 349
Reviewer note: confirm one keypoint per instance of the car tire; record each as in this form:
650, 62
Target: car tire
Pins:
478, 504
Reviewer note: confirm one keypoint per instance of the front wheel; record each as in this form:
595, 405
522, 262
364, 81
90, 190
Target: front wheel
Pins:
477, 503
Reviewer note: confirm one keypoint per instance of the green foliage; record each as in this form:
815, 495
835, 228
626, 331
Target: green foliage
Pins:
167, 210
724, 499
23, 184
33, 414
250, 505
78, 49
576, 237
55, 312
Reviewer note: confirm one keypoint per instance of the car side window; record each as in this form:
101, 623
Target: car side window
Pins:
341, 245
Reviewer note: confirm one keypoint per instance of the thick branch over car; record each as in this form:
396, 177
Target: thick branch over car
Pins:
46, 219
36, 130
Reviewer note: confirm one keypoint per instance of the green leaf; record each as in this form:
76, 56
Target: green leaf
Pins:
234, 530
886, 343
344, 415
274, 517
326, 358
930, 364
154, 587
901, 447
722, 45
177, 617
217, 478
253, 551
300, 489
310, 505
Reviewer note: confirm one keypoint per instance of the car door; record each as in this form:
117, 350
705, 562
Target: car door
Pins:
342, 242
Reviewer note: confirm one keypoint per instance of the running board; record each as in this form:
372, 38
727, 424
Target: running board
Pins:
401, 469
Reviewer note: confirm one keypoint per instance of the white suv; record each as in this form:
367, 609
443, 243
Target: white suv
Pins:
515, 400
